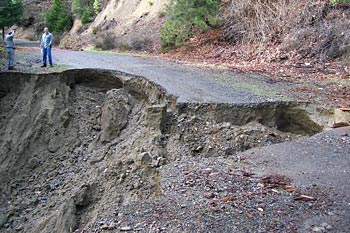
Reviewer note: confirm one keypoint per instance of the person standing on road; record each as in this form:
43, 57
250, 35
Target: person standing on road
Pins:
10, 47
45, 45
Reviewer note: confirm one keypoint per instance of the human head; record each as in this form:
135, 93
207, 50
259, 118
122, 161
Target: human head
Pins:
46, 30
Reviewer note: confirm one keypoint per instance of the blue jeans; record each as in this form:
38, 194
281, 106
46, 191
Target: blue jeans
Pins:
11, 55
47, 53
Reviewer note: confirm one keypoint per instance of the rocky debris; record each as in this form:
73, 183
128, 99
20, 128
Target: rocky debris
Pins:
156, 117
202, 137
215, 194
106, 157
324, 227
341, 117
126, 228
62, 220
115, 113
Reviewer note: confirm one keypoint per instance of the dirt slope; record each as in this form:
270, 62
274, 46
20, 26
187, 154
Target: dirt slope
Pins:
127, 21
94, 150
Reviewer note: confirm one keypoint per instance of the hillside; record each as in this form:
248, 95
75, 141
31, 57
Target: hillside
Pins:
307, 28
121, 23
278, 38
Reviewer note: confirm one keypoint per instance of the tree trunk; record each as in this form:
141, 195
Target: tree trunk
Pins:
3, 34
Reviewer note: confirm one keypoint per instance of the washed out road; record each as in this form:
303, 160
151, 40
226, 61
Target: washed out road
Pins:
321, 161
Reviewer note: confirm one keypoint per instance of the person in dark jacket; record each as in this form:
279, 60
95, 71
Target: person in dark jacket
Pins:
45, 45
10, 47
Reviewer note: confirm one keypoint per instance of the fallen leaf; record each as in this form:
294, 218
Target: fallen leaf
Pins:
249, 215
344, 108
290, 188
229, 198
213, 208
304, 198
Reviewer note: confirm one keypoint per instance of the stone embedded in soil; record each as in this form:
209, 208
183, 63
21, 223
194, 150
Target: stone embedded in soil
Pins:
144, 158
326, 226
156, 117
115, 112
318, 229
126, 228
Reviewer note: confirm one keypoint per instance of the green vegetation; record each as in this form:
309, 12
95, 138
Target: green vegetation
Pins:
2, 53
184, 16
339, 1
86, 10
58, 18
85, 18
97, 6
77, 8
10, 13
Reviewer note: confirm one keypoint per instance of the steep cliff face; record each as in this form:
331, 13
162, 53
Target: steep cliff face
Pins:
130, 11
126, 20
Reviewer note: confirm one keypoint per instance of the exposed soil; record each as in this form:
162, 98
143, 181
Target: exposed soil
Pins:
102, 151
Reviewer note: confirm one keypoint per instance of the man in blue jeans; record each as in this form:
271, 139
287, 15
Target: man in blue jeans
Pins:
45, 45
10, 47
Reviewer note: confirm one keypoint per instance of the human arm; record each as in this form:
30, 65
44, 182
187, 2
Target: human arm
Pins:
50, 41
11, 34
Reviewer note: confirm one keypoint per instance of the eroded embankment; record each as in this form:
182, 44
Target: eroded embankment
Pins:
75, 146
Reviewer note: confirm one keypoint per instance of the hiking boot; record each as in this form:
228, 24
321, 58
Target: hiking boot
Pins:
10, 68
51, 65
43, 66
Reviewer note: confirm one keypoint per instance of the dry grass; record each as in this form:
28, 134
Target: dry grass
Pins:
324, 33
140, 43
259, 20
110, 41
311, 28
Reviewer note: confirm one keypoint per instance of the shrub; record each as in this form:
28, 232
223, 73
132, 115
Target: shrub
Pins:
109, 41
95, 30
85, 9
2, 52
260, 21
58, 18
77, 8
10, 13
139, 43
339, 1
97, 6
323, 32
85, 18
184, 16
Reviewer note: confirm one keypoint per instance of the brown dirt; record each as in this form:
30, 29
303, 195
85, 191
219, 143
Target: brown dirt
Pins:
88, 163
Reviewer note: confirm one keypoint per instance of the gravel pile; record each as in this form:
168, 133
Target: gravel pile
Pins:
217, 195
